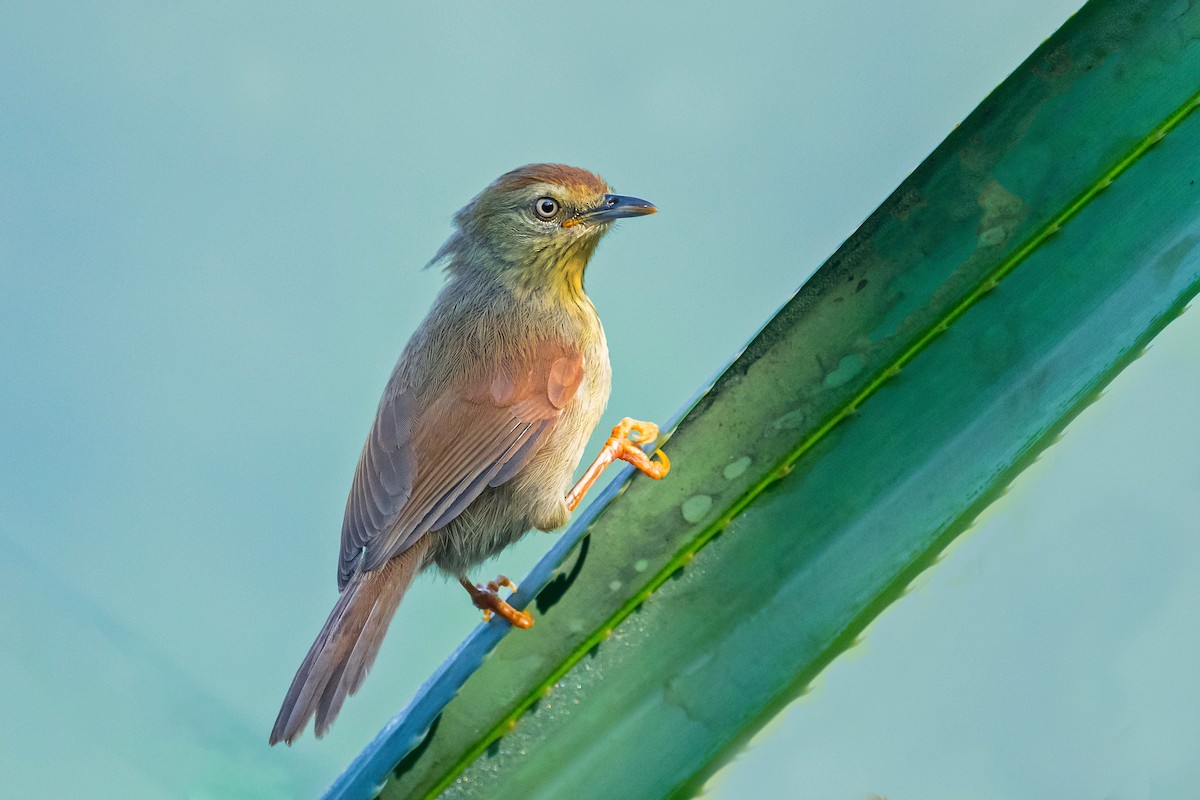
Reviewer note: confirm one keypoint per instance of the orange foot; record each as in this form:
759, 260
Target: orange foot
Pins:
625, 444
487, 597
629, 437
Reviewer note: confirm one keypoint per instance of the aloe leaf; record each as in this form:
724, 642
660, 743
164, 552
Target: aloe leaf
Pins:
889, 401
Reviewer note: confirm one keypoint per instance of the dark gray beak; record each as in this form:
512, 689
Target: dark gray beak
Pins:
614, 207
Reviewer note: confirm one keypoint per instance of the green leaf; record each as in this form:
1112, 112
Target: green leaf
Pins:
886, 404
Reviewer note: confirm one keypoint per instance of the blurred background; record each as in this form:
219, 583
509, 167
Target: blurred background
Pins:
212, 225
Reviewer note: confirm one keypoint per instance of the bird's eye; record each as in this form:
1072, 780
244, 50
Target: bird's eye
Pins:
546, 207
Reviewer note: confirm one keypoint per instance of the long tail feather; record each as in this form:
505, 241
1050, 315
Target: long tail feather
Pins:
343, 652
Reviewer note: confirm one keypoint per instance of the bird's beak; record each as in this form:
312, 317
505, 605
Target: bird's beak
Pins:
613, 207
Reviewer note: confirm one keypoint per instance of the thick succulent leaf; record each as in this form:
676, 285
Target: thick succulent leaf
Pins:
947, 342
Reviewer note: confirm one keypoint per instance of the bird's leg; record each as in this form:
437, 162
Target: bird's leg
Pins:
625, 444
487, 597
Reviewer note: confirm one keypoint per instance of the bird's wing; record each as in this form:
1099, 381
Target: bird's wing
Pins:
419, 470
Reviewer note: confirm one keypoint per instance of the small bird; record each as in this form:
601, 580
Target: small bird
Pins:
482, 424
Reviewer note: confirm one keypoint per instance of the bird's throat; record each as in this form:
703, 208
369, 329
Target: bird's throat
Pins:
560, 274
570, 279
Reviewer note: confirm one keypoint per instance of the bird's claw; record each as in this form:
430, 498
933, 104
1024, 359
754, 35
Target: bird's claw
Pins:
635, 430
487, 598
629, 437
501, 580
651, 467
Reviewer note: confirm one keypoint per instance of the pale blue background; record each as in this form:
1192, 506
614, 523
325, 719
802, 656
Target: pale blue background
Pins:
211, 227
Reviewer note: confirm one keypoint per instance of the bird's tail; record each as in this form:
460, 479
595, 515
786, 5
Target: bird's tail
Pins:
339, 659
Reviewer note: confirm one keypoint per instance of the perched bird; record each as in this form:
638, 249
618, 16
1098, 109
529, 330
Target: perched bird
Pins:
482, 424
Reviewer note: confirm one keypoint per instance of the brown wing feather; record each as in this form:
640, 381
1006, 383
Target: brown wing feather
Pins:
418, 470
384, 478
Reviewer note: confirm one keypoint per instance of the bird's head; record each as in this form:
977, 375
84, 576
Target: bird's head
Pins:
537, 226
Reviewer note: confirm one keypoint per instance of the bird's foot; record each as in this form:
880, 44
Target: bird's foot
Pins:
625, 444
487, 597
629, 437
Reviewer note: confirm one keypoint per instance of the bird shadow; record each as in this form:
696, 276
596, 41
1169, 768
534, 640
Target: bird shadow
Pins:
554, 591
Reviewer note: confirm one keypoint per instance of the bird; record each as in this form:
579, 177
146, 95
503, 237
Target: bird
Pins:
482, 424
